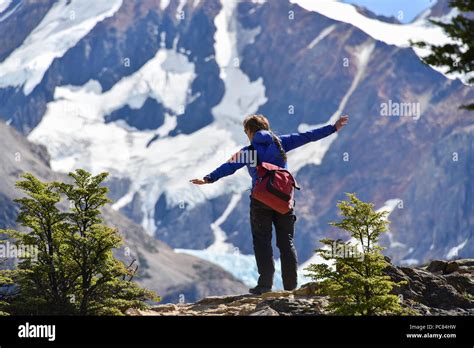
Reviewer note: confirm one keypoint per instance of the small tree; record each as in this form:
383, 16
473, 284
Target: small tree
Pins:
458, 56
356, 283
5, 282
74, 271
42, 283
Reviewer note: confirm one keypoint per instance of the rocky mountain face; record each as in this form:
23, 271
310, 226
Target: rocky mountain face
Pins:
379, 158
117, 47
440, 288
155, 93
18, 21
175, 277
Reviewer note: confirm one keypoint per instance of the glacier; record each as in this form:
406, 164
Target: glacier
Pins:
410, 9
123, 151
392, 34
64, 25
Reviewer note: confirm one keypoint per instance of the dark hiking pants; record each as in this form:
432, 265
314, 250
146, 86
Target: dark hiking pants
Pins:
261, 219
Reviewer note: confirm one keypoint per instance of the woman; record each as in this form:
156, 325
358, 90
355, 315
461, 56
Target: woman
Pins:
270, 148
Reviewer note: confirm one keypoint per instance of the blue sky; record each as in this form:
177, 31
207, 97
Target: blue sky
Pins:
410, 8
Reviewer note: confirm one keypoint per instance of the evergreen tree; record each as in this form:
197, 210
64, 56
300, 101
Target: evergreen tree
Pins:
5, 282
458, 57
75, 271
355, 282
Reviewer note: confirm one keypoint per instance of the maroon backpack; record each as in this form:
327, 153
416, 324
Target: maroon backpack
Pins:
275, 187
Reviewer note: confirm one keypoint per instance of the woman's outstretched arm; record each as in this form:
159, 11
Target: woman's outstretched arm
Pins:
294, 140
236, 162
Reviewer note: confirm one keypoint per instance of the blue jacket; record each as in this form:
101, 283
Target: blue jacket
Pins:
267, 151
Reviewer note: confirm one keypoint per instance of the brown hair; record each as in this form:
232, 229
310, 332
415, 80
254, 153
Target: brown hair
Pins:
256, 122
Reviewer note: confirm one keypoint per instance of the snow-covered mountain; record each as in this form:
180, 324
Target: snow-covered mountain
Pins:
175, 277
155, 91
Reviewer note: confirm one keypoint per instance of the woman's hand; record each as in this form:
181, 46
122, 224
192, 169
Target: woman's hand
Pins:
199, 181
341, 122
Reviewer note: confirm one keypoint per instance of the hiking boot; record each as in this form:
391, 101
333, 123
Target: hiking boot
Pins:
258, 290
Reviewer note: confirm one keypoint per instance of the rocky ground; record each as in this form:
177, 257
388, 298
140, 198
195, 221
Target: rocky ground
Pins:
439, 288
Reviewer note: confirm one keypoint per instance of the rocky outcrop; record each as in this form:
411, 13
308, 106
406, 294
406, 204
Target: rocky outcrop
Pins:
278, 303
440, 288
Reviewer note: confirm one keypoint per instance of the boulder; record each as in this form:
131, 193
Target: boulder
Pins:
265, 311
451, 267
437, 266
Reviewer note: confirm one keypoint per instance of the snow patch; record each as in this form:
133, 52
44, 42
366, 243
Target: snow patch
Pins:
164, 4
392, 34
409, 262
5, 14
453, 252
220, 245
325, 32
168, 125
389, 206
315, 259
4, 5
64, 25
224, 35
123, 201
241, 96
181, 5
121, 150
